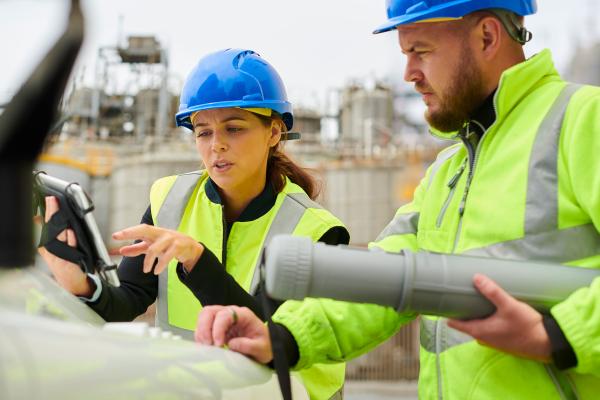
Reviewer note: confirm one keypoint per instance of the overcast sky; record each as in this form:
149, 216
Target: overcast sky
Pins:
316, 45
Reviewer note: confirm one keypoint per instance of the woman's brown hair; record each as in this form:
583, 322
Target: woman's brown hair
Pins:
280, 166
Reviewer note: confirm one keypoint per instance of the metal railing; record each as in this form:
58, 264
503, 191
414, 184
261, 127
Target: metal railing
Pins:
395, 360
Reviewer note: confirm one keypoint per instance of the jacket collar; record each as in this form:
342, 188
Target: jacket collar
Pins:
258, 207
515, 84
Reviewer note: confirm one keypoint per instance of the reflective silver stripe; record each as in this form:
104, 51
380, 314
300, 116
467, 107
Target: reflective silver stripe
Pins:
288, 216
436, 336
565, 388
169, 216
162, 308
401, 224
543, 240
303, 199
541, 212
441, 158
438, 361
170, 213
557, 246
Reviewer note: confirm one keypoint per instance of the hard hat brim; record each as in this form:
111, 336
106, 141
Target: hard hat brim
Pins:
284, 108
453, 10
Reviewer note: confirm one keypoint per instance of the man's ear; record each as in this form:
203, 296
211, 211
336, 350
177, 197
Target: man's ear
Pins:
490, 36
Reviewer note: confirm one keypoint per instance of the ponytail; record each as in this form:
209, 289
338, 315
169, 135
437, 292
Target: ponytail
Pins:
280, 166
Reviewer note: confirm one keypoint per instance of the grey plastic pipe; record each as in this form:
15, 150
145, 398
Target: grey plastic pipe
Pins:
427, 283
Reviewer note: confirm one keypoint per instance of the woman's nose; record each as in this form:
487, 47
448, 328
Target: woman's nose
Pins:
219, 144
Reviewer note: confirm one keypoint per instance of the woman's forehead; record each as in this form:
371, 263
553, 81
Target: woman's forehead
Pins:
218, 115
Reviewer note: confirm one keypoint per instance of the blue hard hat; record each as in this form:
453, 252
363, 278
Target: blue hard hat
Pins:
401, 12
233, 78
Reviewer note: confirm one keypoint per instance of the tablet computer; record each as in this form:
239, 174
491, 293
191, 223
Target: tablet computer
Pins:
77, 208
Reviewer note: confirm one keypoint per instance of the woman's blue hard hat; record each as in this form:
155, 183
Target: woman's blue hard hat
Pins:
233, 78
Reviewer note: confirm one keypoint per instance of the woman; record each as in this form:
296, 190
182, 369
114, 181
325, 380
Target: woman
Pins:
201, 237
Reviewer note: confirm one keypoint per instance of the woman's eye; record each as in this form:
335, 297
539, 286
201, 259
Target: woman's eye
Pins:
234, 129
202, 133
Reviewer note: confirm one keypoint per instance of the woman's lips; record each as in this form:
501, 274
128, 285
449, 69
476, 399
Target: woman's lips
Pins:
222, 166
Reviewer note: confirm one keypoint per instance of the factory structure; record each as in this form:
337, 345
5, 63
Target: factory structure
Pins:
118, 136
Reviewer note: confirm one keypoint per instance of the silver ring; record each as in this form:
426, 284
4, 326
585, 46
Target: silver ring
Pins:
234, 316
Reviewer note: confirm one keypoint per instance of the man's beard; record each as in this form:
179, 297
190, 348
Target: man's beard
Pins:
463, 96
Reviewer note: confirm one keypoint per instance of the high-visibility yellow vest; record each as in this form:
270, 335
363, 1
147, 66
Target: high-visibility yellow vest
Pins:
180, 202
530, 190
512, 198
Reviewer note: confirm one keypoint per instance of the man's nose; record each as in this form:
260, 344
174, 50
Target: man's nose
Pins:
411, 73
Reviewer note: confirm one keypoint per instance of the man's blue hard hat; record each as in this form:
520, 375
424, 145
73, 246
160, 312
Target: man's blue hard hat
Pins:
233, 78
401, 12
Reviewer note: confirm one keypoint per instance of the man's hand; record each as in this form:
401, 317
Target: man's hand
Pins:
67, 274
514, 328
236, 327
161, 246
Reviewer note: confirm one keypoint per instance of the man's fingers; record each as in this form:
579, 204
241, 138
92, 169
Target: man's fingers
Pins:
203, 333
491, 290
467, 327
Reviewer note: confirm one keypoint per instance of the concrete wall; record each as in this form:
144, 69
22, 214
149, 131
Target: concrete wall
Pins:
364, 197
131, 181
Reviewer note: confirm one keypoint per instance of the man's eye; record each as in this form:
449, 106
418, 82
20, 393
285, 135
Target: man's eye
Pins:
234, 129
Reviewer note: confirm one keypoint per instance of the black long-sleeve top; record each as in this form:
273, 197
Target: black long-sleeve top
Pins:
208, 280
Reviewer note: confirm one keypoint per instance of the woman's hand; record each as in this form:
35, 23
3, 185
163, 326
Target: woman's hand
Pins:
68, 275
160, 246
514, 328
236, 327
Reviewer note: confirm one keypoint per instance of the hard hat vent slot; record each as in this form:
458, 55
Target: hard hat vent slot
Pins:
252, 97
422, 6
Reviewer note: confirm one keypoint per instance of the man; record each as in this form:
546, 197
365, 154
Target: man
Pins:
523, 182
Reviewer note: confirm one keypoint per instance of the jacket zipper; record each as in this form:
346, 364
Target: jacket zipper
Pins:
473, 155
438, 362
225, 236
452, 185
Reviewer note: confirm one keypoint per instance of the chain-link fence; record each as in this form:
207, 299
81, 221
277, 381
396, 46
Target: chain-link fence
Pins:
396, 359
